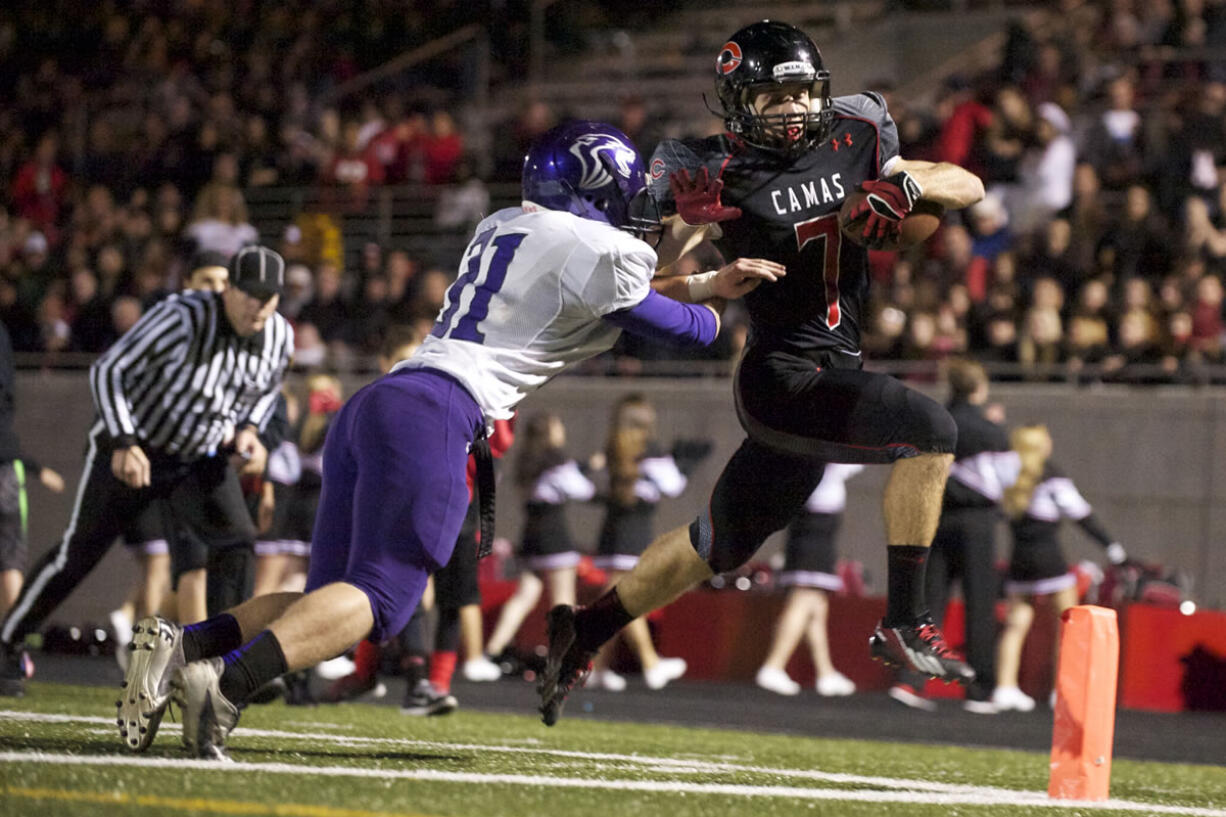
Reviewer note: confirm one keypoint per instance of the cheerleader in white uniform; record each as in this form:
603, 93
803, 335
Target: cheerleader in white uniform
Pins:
640, 475
1036, 503
809, 570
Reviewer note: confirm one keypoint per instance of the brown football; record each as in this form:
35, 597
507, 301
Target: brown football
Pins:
919, 225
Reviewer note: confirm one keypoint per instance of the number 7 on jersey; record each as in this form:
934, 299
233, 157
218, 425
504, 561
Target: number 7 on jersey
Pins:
824, 227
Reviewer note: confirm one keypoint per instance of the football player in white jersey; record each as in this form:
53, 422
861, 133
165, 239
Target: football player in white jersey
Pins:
541, 286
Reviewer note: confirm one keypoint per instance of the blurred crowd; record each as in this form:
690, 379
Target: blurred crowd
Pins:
1098, 253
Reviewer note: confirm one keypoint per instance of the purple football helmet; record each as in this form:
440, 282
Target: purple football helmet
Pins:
592, 170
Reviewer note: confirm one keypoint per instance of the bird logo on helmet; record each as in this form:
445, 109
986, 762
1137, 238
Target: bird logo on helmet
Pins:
762, 56
589, 149
591, 170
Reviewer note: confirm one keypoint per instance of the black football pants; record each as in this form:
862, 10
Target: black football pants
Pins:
201, 496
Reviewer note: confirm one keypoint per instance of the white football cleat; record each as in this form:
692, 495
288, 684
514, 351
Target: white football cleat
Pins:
157, 652
208, 716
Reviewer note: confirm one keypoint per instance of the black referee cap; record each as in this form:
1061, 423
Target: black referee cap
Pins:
258, 271
207, 258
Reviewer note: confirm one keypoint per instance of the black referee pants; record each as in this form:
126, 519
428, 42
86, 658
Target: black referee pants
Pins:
201, 498
965, 549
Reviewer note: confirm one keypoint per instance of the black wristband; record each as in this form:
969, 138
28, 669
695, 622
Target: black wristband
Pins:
124, 441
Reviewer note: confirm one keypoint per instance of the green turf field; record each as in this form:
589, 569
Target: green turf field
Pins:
60, 755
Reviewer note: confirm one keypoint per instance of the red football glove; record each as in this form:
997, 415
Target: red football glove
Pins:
888, 202
698, 198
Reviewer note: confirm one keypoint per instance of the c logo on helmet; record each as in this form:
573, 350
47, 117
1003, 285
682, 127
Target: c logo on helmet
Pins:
729, 58
587, 149
657, 168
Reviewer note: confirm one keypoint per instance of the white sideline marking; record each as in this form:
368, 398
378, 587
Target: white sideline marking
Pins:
654, 764
910, 790
1002, 797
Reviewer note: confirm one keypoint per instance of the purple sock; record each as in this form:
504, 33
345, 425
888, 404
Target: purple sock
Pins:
208, 639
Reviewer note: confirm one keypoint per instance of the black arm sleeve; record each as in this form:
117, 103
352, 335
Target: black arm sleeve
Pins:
1094, 528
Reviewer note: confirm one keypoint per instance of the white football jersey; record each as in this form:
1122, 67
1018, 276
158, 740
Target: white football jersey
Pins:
528, 302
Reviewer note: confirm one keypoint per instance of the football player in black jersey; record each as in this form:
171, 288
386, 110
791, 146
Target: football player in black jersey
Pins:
771, 187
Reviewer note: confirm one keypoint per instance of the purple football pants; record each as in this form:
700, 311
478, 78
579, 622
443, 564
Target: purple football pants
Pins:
394, 490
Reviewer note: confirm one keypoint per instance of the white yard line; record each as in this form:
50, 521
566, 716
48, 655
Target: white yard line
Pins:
658, 764
910, 790
1001, 797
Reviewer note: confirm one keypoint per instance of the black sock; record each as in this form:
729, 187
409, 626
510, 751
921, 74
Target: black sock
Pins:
414, 668
905, 566
208, 639
413, 637
251, 666
600, 621
447, 631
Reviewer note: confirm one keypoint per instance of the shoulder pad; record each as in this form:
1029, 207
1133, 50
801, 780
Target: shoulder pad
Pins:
868, 105
672, 155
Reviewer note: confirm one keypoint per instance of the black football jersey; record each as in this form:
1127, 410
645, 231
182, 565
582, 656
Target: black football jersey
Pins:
790, 214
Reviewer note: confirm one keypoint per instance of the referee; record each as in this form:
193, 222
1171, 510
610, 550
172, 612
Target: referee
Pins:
197, 376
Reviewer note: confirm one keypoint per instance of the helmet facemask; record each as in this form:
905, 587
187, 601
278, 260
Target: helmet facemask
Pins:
643, 217
787, 133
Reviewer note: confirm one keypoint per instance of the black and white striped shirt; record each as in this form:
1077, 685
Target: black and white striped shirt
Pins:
181, 380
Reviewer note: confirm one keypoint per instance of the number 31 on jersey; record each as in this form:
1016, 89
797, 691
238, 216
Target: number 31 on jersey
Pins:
501, 250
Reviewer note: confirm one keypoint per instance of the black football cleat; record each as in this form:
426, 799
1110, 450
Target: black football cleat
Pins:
14, 669
423, 699
298, 689
566, 666
920, 647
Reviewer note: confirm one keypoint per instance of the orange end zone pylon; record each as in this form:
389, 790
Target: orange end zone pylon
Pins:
1084, 721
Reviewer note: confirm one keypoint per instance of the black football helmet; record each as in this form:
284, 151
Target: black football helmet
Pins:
768, 54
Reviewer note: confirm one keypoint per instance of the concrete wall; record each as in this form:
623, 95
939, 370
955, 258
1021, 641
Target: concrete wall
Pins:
1151, 461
